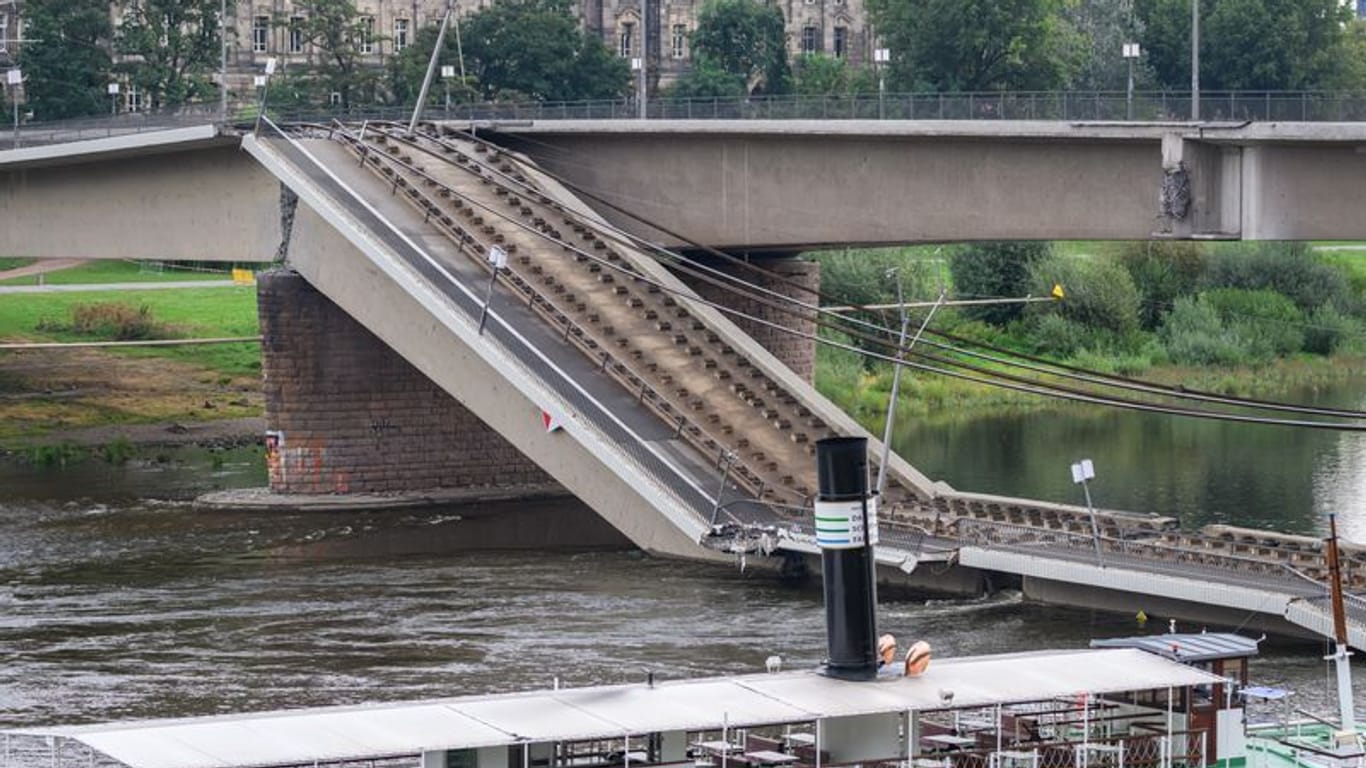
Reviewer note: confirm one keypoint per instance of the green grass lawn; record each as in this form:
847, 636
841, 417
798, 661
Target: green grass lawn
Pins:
6, 263
114, 271
189, 312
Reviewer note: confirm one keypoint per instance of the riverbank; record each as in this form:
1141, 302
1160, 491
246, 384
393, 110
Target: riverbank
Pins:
937, 399
86, 398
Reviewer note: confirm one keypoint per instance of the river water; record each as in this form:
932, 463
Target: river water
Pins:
1199, 471
118, 600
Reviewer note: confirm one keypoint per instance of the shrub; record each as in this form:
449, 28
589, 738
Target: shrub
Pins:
1100, 293
995, 270
110, 320
1058, 337
1290, 269
1329, 331
1162, 272
1194, 335
1266, 323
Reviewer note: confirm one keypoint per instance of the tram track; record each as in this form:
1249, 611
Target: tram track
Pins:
584, 279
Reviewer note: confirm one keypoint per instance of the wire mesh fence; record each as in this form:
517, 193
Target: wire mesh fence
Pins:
1066, 106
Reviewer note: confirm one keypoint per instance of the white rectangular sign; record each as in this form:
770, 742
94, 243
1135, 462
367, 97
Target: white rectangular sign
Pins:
14, 77
839, 524
1083, 471
498, 257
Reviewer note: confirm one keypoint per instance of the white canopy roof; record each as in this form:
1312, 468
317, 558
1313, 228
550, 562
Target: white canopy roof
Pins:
381, 730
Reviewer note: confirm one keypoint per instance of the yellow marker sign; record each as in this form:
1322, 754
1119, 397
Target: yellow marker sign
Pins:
243, 276
1057, 292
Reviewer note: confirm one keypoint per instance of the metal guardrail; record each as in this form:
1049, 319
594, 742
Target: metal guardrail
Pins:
1065, 106
86, 129
1154, 556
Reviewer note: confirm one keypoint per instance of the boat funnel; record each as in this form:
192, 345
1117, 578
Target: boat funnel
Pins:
846, 530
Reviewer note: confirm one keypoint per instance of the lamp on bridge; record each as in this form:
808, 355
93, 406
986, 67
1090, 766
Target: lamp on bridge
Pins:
113, 90
1131, 52
15, 78
447, 72
881, 57
1083, 471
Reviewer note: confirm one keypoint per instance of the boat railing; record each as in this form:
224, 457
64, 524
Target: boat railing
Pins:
1183, 749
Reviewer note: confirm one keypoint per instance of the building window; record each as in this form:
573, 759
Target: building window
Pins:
4, 32
679, 40
626, 44
132, 98
367, 34
841, 42
260, 33
400, 34
810, 40
296, 34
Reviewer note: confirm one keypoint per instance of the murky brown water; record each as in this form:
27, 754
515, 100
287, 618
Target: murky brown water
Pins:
130, 609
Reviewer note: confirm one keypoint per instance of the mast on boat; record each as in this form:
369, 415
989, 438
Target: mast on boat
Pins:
1341, 655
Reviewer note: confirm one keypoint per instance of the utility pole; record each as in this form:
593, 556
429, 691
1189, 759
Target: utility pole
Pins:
223, 61
901, 349
1195, 60
431, 69
644, 60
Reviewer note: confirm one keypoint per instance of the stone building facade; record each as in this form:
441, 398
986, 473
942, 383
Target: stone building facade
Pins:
835, 27
9, 33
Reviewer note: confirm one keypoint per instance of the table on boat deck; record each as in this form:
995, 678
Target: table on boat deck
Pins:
718, 747
947, 741
769, 757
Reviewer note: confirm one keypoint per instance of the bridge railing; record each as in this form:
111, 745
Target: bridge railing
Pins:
1152, 554
1066, 106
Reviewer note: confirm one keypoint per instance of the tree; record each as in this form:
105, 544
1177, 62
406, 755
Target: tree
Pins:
531, 49
819, 74
171, 47
995, 270
973, 45
1249, 44
747, 39
336, 31
708, 80
1096, 33
67, 67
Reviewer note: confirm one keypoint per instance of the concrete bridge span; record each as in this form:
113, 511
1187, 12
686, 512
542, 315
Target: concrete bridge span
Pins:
753, 185
791, 185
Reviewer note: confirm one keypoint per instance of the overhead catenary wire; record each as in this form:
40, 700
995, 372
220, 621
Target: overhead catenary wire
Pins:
1065, 370
1041, 388
985, 377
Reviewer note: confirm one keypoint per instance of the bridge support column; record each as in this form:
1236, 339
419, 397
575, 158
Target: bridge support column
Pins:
784, 275
347, 414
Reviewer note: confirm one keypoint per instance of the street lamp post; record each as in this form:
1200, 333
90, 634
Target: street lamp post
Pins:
113, 91
880, 58
447, 72
14, 78
1131, 52
1195, 60
1081, 472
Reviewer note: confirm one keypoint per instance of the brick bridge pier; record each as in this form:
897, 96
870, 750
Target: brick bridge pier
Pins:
347, 414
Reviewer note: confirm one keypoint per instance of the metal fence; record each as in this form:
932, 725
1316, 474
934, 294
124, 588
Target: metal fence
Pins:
1065, 106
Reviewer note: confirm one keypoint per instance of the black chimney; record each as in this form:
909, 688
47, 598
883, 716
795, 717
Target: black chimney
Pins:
846, 530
